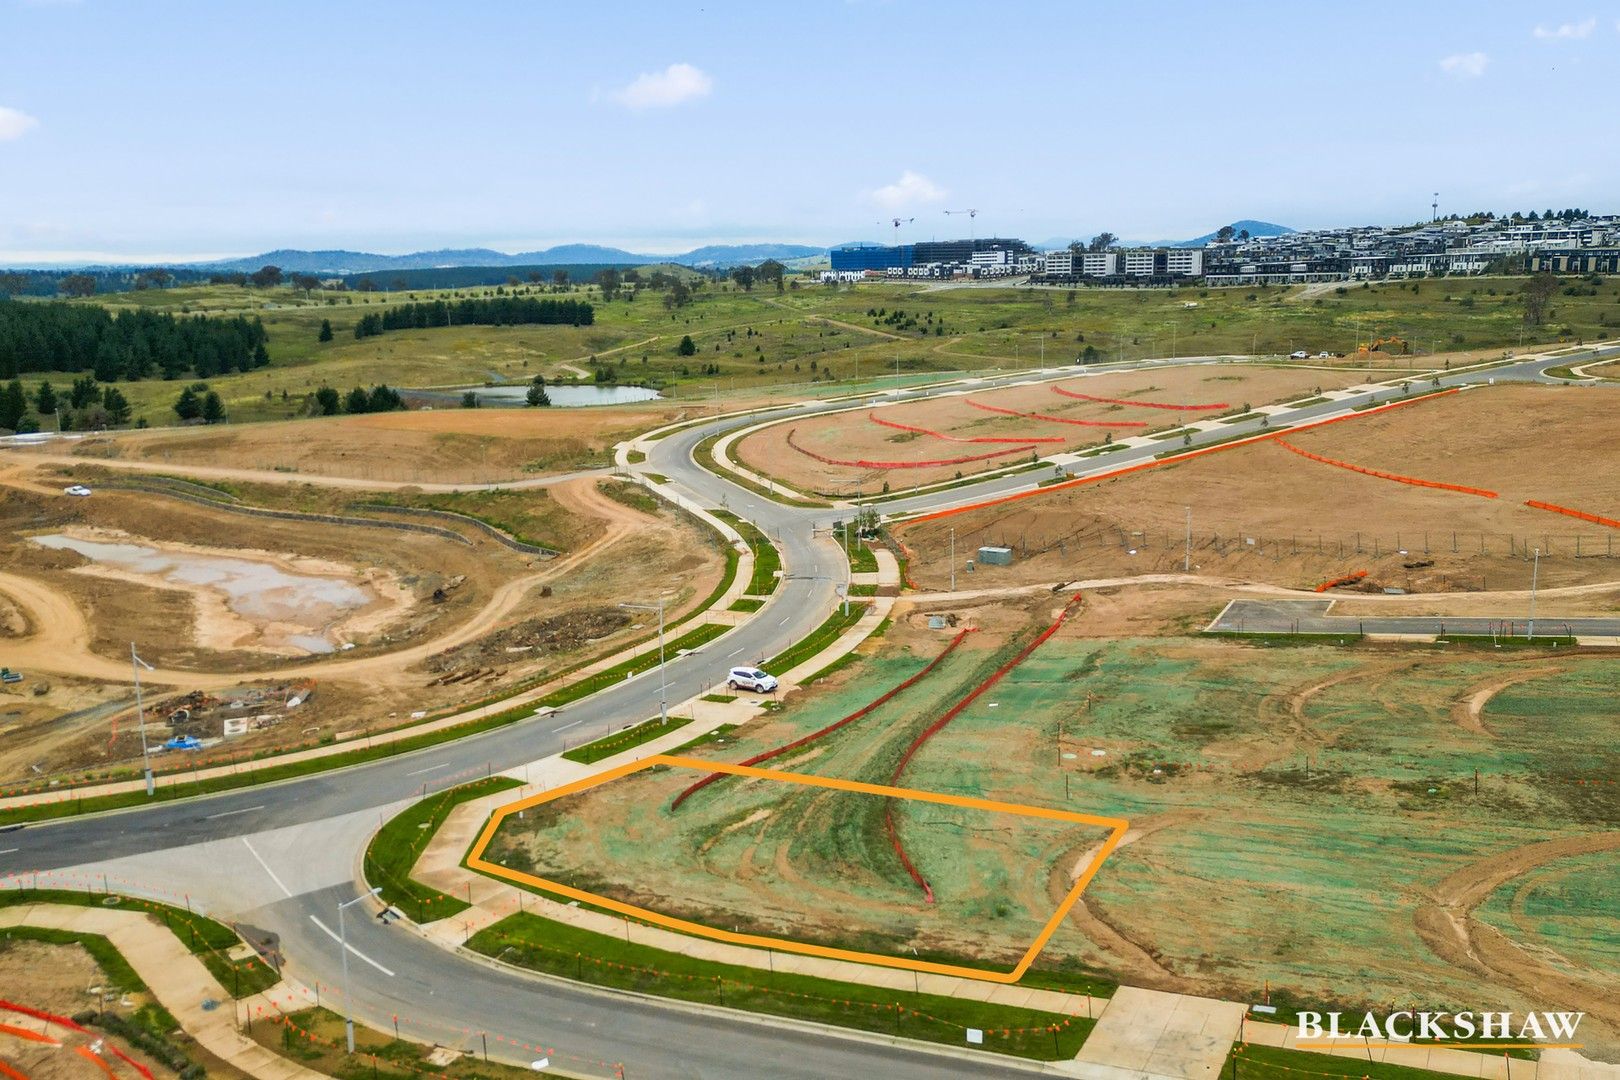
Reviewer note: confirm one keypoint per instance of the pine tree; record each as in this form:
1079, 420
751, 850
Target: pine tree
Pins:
213, 409
186, 406
326, 330
45, 399
117, 406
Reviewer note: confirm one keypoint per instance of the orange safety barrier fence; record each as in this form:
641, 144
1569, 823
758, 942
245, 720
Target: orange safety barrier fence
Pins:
862, 464
951, 714
1141, 404
1177, 459
876, 419
24, 1033
96, 1060
1348, 579
1058, 419
10, 1073
1567, 512
1397, 477
864, 710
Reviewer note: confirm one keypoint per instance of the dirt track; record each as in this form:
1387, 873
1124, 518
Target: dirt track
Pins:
1448, 926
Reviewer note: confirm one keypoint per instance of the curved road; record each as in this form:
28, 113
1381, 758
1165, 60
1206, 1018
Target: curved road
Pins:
280, 857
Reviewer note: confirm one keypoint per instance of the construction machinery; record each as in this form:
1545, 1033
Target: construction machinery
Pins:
1378, 345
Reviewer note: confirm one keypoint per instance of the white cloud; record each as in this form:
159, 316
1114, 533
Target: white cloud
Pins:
14, 124
1469, 65
912, 188
675, 85
1566, 31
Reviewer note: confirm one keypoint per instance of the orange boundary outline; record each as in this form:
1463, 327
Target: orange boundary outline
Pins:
476, 861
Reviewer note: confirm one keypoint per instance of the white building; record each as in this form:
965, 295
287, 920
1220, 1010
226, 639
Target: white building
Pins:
1184, 262
1059, 262
1099, 263
1140, 263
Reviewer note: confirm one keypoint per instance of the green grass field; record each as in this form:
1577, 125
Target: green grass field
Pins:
813, 337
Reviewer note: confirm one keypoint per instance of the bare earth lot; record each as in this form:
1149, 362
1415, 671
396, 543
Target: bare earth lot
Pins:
856, 436
443, 445
1303, 819
1262, 513
272, 664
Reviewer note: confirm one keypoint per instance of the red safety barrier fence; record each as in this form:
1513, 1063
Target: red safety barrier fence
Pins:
39, 1014
864, 710
1058, 419
1348, 579
1566, 511
876, 419
1177, 459
1397, 477
96, 1060
861, 464
951, 714
1141, 404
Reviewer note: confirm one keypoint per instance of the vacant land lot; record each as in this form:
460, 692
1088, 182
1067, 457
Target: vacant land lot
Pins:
1302, 818
1261, 512
434, 446
1012, 424
359, 628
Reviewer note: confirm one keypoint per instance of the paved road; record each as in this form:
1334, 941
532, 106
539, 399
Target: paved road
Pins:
311, 832
1312, 617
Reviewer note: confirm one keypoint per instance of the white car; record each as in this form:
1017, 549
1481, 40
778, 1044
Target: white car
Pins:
1299, 354
76, 489
747, 678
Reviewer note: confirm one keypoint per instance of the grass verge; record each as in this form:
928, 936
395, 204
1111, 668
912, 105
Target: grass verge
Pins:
557, 949
609, 745
398, 844
210, 941
818, 639
767, 561
692, 639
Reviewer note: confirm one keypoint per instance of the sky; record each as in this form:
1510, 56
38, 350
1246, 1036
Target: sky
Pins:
168, 130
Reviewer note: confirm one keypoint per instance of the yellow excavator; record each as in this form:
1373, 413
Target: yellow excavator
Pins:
1365, 351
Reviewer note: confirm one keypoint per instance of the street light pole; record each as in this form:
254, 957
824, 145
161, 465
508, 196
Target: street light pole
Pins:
1535, 572
1186, 561
663, 682
343, 950
135, 665
953, 558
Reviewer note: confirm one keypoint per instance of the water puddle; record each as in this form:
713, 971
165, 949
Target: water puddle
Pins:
259, 592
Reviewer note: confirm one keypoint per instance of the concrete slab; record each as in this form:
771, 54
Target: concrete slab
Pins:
1152, 1035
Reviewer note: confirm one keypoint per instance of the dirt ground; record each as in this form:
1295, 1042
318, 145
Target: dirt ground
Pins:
440, 445
1303, 819
856, 435
469, 621
63, 980
1262, 513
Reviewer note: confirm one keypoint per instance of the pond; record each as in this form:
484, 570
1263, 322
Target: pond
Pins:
563, 397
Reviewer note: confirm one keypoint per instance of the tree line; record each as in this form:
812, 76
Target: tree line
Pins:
87, 406
490, 311
130, 346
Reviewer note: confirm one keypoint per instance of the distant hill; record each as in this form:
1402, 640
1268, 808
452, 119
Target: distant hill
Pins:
340, 262
1255, 228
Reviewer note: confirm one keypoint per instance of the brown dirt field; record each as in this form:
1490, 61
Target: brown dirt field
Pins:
1306, 520
439, 445
852, 435
504, 619
58, 979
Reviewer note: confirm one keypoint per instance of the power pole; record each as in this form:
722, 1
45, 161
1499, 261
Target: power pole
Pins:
1535, 571
1186, 562
953, 558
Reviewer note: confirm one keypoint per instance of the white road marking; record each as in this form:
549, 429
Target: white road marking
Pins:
784, 621
333, 935
430, 768
233, 813
9, 850
279, 884
565, 727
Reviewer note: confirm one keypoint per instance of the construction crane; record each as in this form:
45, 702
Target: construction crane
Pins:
971, 213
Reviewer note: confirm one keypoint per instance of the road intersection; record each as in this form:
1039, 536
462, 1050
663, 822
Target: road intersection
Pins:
281, 856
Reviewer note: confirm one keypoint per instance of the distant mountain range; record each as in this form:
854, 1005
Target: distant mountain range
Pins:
293, 260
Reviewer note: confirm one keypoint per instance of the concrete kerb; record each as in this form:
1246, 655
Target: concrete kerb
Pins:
178, 980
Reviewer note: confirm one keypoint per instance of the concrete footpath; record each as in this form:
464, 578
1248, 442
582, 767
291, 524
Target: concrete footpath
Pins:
178, 980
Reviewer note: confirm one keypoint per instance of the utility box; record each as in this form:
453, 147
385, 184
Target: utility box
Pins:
995, 556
